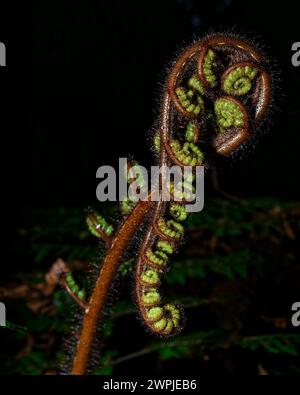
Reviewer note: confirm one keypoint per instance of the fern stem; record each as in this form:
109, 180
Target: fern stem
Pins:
96, 305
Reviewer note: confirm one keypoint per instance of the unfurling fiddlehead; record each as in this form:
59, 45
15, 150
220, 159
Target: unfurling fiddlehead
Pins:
216, 96
208, 91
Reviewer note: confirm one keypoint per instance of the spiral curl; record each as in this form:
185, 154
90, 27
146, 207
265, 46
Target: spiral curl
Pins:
237, 80
167, 319
219, 84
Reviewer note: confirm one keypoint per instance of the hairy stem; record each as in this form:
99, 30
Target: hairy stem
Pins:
110, 265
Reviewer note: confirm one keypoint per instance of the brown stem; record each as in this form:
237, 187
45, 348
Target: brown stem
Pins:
109, 268
107, 273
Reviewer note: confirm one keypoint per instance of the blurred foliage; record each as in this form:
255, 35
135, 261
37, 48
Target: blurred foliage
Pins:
237, 277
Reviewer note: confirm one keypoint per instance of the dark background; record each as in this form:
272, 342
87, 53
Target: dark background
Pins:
81, 89
84, 83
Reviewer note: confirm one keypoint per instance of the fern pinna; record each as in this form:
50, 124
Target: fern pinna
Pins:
217, 94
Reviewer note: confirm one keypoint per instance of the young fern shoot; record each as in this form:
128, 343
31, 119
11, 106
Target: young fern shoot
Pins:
217, 95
